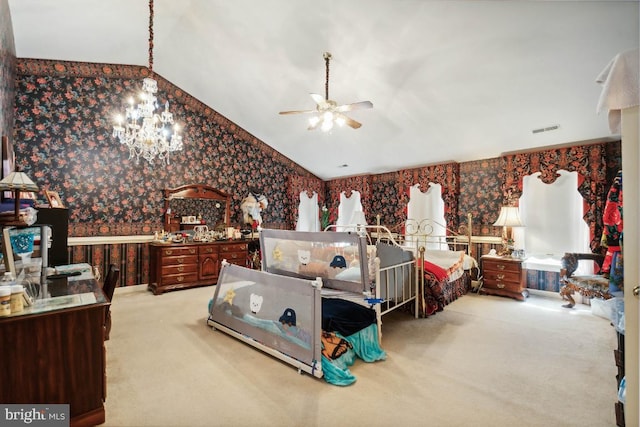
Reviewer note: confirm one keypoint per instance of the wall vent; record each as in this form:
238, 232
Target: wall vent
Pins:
547, 129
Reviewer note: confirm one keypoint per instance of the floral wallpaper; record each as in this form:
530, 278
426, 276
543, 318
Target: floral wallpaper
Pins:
385, 199
481, 195
64, 113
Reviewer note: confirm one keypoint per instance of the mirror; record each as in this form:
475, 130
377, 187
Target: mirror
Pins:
195, 204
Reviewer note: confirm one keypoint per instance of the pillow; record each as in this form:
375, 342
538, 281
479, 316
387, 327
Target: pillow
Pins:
351, 274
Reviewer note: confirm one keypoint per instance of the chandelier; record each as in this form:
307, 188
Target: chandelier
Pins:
145, 132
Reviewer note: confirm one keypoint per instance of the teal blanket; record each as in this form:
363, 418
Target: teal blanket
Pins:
365, 345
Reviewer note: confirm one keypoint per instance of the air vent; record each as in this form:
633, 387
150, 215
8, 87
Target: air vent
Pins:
547, 129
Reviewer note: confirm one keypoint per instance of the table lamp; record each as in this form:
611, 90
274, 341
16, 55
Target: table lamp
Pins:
17, 182
509, 217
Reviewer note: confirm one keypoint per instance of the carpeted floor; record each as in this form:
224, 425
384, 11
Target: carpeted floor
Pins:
484, 361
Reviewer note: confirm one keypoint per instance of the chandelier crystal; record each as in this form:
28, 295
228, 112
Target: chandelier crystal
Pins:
145, 132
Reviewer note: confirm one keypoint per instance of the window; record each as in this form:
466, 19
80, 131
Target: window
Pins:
553, 220
308, 213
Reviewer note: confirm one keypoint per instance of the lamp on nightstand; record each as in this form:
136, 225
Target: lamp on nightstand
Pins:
17, 182
509, 217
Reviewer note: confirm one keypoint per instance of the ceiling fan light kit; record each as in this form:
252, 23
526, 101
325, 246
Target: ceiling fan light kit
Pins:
328, 113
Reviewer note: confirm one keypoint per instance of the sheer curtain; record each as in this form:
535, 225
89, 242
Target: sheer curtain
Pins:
428, 205
552, 215
346, 209
308, 213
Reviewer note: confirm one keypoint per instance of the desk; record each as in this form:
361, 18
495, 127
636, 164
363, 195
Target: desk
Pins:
53, 352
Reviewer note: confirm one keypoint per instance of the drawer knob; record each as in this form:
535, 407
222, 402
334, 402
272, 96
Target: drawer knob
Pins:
500, 286
168, 252
181, 269
500, 266
192, 251
500, 276
180, 278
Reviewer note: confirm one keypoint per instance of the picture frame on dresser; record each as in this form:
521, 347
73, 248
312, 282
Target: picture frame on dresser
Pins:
54, 199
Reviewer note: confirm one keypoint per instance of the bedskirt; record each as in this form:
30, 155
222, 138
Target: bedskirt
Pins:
439, 293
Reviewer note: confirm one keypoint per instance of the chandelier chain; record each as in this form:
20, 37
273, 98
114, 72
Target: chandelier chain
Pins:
151, 36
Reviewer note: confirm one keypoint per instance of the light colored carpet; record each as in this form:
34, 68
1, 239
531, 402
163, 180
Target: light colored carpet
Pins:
483, 361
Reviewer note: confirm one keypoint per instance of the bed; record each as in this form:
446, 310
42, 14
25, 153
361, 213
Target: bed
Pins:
445, 266
318, 301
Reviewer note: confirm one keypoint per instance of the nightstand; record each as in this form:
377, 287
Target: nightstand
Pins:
504, 276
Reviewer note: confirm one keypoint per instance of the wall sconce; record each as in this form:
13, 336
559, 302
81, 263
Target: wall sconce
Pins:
509, 217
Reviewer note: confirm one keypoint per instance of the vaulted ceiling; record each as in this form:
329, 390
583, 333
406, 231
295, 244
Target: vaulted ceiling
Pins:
449, 80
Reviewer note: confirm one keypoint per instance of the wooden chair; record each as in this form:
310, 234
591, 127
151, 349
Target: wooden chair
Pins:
593, 285
108, 287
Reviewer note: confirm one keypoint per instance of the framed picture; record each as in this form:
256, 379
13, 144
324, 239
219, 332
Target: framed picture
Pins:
54, 199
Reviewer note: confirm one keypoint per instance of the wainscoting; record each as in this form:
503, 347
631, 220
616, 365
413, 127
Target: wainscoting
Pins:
129, 253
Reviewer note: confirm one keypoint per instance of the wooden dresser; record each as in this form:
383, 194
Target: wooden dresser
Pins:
185, 265
504, 276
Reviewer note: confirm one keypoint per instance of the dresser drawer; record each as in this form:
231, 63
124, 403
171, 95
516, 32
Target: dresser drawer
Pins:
179, 269
182, 250
239, 258
207, 250
174, 279
179, 260
235, 247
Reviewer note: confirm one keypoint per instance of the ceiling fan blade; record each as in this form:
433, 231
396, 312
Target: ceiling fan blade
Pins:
349, 121
355, 106
298, 112
317, 98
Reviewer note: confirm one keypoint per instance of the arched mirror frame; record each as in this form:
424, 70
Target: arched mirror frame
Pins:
195, 191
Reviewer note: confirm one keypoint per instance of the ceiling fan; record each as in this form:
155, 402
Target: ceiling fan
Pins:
327, 111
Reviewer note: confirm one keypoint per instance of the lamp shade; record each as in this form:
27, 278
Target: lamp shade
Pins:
509, 217
18, 181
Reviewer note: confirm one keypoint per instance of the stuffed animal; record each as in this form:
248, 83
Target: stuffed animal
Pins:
252, 207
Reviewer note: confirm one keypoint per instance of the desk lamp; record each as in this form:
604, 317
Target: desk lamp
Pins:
17, 182
509, 217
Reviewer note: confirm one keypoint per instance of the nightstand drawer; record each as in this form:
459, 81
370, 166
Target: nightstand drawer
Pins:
502, 266
502, 276
508, 287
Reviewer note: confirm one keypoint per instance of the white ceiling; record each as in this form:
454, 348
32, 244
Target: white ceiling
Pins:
449, 80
